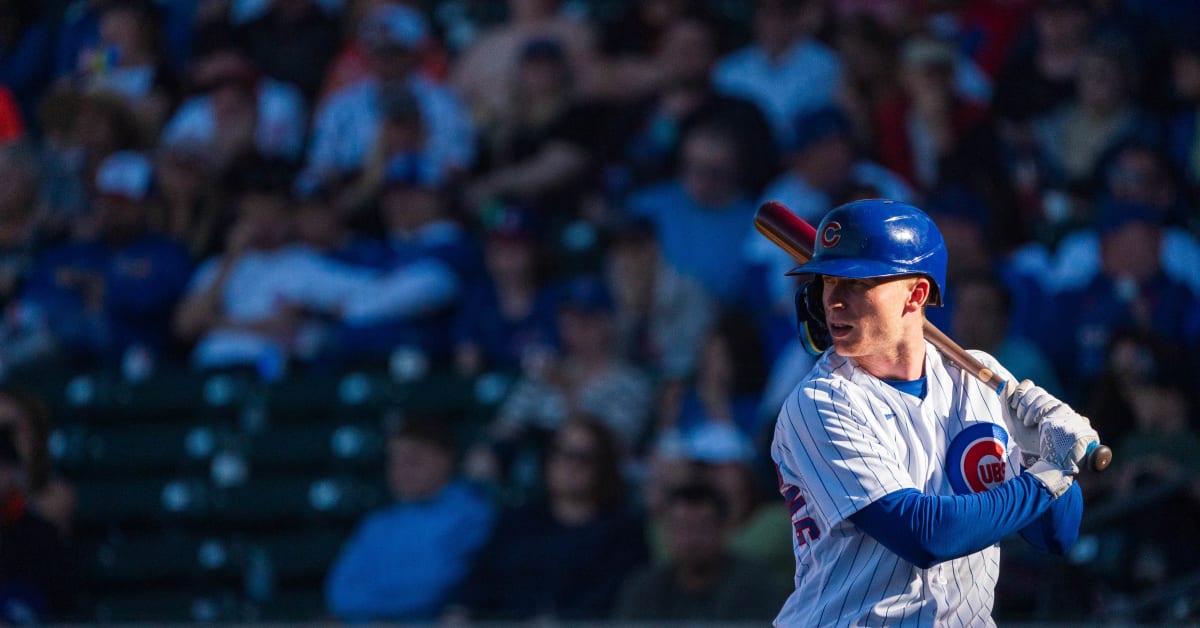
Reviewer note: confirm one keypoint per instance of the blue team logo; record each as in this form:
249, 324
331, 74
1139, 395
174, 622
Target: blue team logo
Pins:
975, 460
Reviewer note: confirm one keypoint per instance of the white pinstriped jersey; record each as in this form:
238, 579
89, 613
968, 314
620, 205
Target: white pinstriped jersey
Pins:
843, 440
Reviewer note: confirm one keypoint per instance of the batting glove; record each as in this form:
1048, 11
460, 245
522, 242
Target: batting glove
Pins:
1029, 403
1066, 438
1056, 479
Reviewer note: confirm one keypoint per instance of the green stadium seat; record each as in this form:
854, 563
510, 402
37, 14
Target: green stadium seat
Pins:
83, 449
168, 606
160, 558
287, 500
137, 499
329, 447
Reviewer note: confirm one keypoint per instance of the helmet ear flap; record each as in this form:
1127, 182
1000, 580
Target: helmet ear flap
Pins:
810, 317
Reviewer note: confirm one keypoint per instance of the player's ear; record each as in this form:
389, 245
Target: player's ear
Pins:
918, 294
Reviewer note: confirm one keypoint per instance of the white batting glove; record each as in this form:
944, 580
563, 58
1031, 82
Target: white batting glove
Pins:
1030, 403
1064, 436
1057, 480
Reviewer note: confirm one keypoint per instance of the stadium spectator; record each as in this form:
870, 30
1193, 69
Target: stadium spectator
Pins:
113, 293
512, 312
1040, 75
36, 575
237, 110
292, 41
1075, 136
586, 376
702, 582
705, 202
1132, 292
730, 373
405, 560
662, 316
482, 74
563, 554
20, 239
648, 132
981, 320
52, 496
933, 137
191, 208
129, 59
1139, 174
785, 70
346, 125
431, 257
26, 47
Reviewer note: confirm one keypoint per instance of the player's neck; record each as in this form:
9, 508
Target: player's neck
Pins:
905, 363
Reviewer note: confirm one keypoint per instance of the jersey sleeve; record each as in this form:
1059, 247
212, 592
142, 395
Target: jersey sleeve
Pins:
826, 441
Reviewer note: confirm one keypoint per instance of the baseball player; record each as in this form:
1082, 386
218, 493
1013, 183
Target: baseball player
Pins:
903, 472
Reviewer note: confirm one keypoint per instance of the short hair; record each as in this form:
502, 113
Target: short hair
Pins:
699, 494
429, 430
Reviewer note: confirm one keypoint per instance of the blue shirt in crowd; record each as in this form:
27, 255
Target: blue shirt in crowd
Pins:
404, 559
143, 281
701, 242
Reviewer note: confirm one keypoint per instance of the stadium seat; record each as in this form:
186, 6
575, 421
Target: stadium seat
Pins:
82, 449
271, 501
317, 448
162, 558
136, 499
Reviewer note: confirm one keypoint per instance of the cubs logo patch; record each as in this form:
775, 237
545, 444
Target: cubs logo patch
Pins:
975, 461
829, 235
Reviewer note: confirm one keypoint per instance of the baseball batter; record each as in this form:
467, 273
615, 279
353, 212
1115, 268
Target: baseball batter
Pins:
902, 472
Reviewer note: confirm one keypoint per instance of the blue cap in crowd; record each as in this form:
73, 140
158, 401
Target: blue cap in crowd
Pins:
412, 170
510, 222
586, 294
815, 126
126, 174
1114, 214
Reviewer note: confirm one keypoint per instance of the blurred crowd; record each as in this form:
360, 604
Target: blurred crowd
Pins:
563, 191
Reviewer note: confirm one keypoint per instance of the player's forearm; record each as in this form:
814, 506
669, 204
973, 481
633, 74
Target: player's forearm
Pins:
928, 529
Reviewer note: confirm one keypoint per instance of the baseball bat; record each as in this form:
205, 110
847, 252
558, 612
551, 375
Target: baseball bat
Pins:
794, 235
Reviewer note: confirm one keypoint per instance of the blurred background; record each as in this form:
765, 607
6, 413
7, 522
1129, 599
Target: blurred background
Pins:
453, 312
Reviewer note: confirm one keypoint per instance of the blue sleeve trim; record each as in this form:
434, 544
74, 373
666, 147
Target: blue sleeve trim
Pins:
1058, 528
928, 529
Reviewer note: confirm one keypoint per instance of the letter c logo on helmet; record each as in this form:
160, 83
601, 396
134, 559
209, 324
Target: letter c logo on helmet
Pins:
829, 235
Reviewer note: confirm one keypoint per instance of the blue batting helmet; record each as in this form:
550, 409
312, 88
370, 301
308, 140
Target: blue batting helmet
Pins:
879, 238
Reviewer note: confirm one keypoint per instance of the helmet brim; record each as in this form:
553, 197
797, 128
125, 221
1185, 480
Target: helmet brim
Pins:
861, 269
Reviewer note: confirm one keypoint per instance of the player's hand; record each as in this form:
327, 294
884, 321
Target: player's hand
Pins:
1030, 403
1056, 479
1066, 438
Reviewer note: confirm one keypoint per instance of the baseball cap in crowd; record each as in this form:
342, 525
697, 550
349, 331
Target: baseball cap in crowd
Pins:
716, 443
510, 222
125, 174
707, 442
585, 294
542, 49
632, 229
1113, 214
812, 127
393, 26
924, 52
412, 170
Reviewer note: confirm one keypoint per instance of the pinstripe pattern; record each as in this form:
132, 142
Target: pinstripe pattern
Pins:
843, 440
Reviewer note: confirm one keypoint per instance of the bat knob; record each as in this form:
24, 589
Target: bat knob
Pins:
1099, 457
